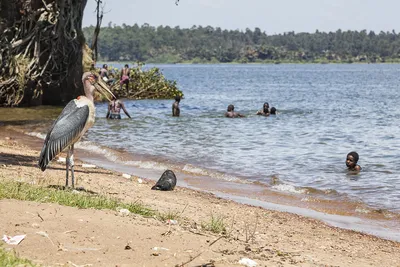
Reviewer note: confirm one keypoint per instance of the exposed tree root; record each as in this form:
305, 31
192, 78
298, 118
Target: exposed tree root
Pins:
41, 51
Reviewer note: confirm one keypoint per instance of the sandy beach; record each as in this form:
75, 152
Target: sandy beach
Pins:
88, 237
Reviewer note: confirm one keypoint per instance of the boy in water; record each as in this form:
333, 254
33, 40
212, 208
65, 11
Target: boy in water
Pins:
176, 111
231, 113
351, 162
265, 111
125, 77
105, 76
114, 110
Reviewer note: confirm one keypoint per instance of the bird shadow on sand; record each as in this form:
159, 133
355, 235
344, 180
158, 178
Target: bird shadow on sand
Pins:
80, 189
31, 161
18, 160
75, 170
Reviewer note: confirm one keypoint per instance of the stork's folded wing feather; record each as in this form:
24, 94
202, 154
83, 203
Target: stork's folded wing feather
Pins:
66, 129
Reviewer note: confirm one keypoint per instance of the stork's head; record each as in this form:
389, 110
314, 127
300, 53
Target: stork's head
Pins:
91, 82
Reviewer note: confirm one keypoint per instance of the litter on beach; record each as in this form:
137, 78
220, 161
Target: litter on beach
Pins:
173, 222
159, 248
127, 176
13, 240
247, 262
124, 212
88, 166
61, 159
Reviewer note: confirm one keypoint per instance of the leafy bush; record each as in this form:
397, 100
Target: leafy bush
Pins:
144, 84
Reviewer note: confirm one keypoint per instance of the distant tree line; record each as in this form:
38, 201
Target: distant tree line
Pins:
199, 44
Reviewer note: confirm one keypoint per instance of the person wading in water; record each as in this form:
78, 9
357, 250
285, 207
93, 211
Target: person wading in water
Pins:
176, 111
114, 109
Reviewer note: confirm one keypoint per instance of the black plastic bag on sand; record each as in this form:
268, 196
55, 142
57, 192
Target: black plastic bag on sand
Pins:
166, 182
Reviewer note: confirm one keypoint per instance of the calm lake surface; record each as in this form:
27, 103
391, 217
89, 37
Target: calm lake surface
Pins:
325, 111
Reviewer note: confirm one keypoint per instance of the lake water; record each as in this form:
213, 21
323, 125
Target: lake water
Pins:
324, 112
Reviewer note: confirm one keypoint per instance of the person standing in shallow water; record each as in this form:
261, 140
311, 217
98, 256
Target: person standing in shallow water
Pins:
230, 113
176, 111
351, 162
114, 109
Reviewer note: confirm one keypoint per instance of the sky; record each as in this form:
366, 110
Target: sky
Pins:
271, 16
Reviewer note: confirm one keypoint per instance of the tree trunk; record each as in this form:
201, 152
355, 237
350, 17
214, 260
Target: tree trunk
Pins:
99, 16
41, 44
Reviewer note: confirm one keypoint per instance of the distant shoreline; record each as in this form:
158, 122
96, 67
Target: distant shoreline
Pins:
249, 63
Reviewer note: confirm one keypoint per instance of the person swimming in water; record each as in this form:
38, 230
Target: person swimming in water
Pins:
230, 113
176, 111
114, 109
351, 162
265, 111
272, 111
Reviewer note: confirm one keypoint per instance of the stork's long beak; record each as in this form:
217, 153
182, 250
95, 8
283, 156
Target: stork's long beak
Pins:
103, 89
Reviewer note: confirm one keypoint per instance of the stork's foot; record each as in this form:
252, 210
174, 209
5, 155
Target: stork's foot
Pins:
82, 189
79, 188
58, 187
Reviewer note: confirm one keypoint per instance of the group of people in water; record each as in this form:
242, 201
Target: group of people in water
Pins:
115, 106
265, 111
124, 77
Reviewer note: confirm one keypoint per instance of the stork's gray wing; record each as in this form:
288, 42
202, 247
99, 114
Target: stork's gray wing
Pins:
65, 129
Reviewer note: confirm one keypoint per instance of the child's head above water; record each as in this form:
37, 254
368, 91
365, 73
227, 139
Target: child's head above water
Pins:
351, 161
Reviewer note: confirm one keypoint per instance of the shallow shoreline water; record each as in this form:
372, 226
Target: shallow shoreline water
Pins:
342, 214
324, 113
346, 215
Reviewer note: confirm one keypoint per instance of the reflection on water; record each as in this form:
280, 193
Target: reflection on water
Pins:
325, 111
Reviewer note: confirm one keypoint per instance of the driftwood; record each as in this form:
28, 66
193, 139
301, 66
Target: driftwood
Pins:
40, 51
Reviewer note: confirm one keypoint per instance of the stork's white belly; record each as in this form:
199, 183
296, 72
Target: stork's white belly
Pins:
81, 102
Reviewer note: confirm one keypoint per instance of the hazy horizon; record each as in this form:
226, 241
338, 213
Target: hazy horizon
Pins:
270, 17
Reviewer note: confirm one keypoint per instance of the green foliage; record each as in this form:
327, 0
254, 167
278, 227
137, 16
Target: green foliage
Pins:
199, 44
10, 259
26, 192
170, 215
215, 225
149, 84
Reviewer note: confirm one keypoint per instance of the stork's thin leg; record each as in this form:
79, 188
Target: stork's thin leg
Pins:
67, 167
72, 166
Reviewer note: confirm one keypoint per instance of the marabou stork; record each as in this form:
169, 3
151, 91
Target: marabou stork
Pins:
75, 119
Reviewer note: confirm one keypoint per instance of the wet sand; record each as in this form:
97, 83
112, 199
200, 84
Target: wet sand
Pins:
270, 237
